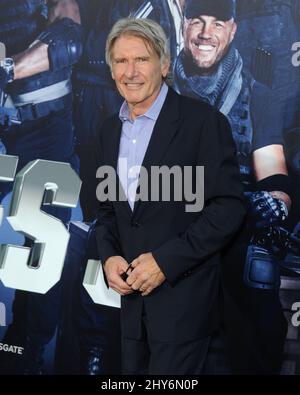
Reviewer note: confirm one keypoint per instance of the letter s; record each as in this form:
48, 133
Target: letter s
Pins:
38, 269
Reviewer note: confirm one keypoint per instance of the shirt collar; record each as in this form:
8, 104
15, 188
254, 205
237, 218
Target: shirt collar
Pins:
152, 112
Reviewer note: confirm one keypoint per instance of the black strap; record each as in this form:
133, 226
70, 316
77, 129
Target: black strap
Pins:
31, 112
277, 182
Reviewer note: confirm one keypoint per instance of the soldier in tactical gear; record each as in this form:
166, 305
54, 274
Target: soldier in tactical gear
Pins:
43, 40
210, 68
263, 25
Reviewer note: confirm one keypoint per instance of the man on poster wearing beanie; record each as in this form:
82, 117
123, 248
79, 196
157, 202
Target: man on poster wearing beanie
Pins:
211, 68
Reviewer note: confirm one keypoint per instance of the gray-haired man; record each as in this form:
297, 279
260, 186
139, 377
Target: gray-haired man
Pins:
170, 299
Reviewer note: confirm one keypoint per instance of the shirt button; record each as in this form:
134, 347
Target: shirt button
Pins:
134, 141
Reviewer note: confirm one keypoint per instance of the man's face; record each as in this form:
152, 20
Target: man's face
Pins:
207, 39
137, 71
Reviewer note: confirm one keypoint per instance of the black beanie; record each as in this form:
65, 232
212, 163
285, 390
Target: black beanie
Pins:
223, 10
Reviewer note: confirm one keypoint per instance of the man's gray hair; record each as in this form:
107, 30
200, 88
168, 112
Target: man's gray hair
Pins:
146, 29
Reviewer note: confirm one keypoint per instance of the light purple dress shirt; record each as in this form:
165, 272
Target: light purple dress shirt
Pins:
135, 138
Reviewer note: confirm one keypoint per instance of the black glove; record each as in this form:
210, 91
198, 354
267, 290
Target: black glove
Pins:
265, 210
3, 78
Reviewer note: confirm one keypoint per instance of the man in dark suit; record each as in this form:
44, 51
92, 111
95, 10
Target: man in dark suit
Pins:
169, 249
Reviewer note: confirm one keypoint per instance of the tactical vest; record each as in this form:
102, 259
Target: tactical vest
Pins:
242, 128
96, 20
92, 69
21, 21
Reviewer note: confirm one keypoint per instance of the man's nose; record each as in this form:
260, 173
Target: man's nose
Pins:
206, 31
131, 70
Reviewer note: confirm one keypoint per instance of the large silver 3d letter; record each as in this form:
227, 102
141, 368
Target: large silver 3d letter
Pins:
8, 168
38, 269
95, 285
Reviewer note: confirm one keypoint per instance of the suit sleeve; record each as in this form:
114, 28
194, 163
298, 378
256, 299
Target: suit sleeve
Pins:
106, 229
223, 210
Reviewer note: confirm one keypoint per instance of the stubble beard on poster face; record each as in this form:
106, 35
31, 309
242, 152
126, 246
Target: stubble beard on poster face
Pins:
205, 67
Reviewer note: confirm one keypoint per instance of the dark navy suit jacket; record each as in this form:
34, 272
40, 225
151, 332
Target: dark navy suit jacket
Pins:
185, 245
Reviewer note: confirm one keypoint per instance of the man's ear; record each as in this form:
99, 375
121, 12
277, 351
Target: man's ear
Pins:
165, 67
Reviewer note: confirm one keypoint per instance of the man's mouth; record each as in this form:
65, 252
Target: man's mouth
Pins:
133, 85
205, 47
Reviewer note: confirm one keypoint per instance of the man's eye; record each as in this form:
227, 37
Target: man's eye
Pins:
118, 61
141, 60
220, 25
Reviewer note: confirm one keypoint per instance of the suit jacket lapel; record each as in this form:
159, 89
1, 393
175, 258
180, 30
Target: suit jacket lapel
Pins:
114, 147
114, 143
164, 131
